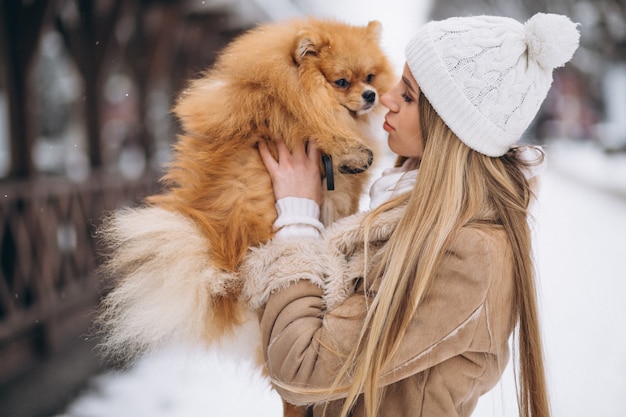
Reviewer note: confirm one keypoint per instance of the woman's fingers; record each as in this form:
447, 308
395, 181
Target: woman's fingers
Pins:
296, 173
268, 160
313, 152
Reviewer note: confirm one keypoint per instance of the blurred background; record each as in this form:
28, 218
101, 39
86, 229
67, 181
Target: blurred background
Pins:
85, 127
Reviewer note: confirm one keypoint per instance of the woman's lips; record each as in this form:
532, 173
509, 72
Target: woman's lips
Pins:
387, 126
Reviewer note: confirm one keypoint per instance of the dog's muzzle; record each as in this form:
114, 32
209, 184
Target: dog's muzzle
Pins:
369, 96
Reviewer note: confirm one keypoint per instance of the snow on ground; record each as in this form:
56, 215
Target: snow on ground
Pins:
178, 383
580, 242
581, 248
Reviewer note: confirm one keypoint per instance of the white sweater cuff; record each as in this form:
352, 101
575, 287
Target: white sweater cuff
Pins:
297, 217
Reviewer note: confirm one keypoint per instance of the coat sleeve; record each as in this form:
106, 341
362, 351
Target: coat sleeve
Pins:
304, 344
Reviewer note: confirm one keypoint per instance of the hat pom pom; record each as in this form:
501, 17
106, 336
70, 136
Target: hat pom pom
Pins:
551, 39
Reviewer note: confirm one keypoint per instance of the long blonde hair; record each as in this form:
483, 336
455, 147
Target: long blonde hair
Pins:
456, 186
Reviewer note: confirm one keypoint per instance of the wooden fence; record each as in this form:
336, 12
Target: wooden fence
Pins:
48, 254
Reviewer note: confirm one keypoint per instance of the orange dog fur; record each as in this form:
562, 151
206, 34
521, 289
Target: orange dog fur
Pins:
177, 256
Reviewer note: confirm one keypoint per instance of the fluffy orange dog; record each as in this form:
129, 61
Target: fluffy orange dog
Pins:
176, 257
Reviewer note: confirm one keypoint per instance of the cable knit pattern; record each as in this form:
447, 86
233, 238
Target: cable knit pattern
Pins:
487, 76
297, 217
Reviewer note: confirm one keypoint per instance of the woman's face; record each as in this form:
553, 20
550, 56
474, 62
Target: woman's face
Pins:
402, 122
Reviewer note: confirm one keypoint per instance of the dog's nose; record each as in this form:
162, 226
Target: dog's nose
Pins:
369, 96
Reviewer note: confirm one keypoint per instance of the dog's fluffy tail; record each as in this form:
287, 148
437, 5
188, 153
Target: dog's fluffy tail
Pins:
164, 282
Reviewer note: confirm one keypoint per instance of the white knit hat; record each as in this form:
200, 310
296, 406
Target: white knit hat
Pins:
487, 76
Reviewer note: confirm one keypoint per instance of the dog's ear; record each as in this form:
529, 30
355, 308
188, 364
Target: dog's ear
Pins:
306, 44
375, 29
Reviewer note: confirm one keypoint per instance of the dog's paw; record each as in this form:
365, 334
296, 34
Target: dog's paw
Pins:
357, 162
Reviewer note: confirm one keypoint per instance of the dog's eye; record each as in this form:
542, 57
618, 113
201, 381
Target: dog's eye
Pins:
370, 78
342, 83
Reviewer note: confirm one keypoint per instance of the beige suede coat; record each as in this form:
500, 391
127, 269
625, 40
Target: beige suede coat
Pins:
455, 350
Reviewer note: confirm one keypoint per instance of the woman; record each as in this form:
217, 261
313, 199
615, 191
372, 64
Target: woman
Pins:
407, 310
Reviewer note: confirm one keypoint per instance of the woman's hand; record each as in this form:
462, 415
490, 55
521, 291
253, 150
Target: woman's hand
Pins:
295, 174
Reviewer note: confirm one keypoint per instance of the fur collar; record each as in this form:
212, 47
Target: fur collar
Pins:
349, 233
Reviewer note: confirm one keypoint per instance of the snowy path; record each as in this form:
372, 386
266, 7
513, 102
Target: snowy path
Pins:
581, 250
580, 245
581, 253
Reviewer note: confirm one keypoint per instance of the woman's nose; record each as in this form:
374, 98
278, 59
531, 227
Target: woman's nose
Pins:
387, 101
